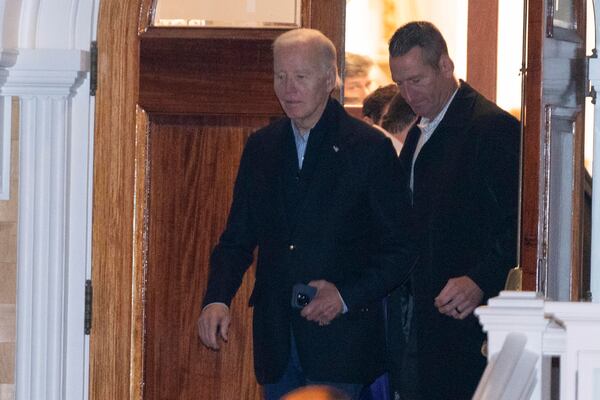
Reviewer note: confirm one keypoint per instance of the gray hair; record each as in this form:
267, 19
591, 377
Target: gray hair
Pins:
423, 34
319, 42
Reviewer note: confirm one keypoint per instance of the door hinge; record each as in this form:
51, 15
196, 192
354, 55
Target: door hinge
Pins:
591, 75
93, 67
587, 296
87, 319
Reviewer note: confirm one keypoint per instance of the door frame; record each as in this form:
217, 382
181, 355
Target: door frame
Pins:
118, 243
119, 158
534, 222
44, 63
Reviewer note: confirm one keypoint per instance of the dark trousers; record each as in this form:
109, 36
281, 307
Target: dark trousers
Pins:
294, 377
403, 346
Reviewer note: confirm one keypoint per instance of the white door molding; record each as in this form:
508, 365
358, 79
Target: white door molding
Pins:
44, 62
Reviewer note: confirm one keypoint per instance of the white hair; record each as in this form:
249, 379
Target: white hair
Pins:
316, 39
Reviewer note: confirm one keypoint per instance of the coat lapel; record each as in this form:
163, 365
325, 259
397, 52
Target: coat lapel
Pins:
280, 161
442, 151
321, 166
452, 127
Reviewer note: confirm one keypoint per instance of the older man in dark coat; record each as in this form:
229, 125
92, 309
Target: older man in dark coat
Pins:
319, 194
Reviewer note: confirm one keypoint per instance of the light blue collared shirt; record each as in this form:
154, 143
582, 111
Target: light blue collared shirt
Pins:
301, 142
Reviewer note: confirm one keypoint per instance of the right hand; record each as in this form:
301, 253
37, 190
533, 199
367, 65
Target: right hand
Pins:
214, 321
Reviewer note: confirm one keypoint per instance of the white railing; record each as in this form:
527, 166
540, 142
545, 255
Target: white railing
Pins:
567, 332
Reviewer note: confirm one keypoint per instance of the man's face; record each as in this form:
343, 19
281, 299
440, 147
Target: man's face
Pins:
302, 84
425, 89
356, 89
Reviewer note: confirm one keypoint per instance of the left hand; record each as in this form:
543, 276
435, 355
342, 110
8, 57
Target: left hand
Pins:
326, 305
459, 297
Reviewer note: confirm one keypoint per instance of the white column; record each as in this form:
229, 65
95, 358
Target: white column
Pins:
521, 312
46, 82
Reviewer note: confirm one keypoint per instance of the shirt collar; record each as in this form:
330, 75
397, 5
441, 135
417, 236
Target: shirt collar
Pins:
297, 135
428, 125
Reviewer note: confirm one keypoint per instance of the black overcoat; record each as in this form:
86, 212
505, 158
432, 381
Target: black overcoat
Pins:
465, 207
341, 218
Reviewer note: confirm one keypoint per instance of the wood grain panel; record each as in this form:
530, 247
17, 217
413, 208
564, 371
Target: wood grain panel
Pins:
210, 76
585, 293
577, 292
192, 168
114, 177
7, 363
581, 229
482, 46
140, 252
532, 128
329, 17
243, 34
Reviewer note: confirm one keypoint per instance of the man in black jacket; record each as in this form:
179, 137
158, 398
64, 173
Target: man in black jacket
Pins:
461, 163
319, 193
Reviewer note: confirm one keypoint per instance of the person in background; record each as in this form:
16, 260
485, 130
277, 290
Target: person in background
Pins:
357, 78
375, 105
386, 110
398, 119
462, 167
319, 195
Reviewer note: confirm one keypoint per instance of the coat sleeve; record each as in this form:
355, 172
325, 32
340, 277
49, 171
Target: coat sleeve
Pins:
233, 254
392, 253
497, 185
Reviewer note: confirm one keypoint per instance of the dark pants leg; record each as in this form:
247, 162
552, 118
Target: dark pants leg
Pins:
403, 374
293, 378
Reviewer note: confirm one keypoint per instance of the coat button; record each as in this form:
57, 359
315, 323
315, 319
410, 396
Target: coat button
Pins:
292, 247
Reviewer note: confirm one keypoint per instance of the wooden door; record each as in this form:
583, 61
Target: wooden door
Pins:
174, 108
554, 235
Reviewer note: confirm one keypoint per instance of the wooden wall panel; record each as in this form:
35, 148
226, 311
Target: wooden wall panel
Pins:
111, 376
328, 16
207, 75
192, 168
532, 128
581, 231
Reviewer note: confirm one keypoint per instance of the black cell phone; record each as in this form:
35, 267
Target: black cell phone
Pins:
302, 295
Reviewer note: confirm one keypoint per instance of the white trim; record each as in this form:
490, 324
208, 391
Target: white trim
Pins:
44, 63
53, 224
5, 142
42, 268
8, 58
569, 330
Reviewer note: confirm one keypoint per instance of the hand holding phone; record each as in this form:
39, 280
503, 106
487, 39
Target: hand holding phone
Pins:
302, 295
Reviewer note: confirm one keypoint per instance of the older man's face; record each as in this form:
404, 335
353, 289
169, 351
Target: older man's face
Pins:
302, 84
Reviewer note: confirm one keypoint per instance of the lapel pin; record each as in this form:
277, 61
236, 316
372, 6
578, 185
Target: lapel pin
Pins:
335, 148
